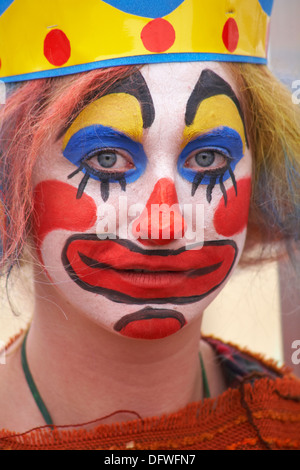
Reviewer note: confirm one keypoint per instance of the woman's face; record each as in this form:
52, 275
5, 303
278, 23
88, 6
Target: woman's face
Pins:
141, 207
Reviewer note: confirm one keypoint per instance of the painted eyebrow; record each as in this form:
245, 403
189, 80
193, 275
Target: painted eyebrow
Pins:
134, 85
208, 85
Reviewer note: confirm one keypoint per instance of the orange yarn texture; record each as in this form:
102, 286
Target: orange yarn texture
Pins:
270, 420
260, 413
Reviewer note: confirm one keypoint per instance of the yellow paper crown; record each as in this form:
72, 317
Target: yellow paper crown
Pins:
59, 37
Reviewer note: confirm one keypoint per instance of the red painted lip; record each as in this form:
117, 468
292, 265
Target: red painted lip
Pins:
109, 267
150, 323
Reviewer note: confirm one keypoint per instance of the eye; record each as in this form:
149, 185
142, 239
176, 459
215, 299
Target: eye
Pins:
210, 160
108, 159
206, 159
105, 155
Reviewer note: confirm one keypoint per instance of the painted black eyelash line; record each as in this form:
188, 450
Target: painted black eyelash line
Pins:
213, 179
223, 189
104, 178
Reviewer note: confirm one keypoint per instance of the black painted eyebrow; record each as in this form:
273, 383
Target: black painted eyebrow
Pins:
210, 84
134, 85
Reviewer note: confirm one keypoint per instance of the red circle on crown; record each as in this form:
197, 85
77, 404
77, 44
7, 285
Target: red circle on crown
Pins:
57, 48
158, 35
231, 35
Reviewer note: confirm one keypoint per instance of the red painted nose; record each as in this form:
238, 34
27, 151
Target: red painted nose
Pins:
161, 220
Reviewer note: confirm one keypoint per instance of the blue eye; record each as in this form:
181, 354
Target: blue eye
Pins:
106, 155
107, 158
206, 159
211, 159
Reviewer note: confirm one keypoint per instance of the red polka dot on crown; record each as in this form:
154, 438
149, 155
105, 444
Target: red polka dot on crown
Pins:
57, 48
158, 35
230, 35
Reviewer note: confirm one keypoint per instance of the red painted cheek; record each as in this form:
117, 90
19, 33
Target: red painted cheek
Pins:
56, 207
232, 219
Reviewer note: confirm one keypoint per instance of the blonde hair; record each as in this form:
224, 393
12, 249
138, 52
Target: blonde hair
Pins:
273, 125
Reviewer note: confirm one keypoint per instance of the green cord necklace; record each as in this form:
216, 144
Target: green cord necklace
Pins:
33, 388
40, 403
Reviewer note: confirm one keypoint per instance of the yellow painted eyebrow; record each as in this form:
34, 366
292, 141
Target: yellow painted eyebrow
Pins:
215, 112
120, 111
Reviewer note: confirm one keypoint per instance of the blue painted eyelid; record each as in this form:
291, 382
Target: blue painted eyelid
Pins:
96, 137
212, 148
225, 140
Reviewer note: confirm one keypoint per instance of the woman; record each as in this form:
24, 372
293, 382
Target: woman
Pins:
128, 189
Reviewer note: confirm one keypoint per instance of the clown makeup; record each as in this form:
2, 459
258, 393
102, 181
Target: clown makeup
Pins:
171, 135
222, 137
105, 143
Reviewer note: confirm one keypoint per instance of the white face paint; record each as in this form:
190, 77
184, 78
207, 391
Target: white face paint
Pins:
180, 142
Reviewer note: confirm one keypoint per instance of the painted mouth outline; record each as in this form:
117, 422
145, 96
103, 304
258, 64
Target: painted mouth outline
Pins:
149, 313
120, 297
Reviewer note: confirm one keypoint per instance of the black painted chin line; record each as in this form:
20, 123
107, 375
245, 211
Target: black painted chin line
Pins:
148, 313
210, 84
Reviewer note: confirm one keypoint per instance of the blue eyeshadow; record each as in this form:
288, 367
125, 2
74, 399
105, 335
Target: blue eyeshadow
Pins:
86, 141
225, 140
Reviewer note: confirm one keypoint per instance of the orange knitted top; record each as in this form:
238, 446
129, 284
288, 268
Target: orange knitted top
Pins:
259, 410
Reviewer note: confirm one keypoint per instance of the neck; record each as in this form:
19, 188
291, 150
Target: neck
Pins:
84, 372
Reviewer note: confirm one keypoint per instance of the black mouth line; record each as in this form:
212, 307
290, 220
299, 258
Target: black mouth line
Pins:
91, 263
149, 313
119, 297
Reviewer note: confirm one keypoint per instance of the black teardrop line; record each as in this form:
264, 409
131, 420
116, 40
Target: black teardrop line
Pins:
122, 183
210, 188
75, 172
197, 180
223, 189
82, 185
104, 189
233, 180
